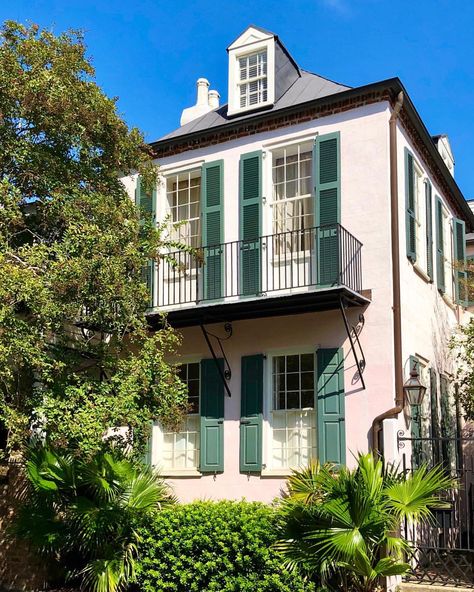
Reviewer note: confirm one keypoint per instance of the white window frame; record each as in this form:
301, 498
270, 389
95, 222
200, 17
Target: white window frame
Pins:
157, 439
275, 203
191, 173
267, 45
267, 448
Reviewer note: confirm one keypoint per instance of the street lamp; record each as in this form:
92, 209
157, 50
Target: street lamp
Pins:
414, 390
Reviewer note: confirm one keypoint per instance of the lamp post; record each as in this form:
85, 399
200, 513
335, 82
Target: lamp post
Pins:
413, 389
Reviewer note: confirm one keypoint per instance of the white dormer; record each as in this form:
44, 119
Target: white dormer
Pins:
444, 148
251, 71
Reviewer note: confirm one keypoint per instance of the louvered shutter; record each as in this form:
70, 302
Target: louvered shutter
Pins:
448, 425
213, 223
148, 278
410, 205
460, 273
331, 406
327, 198
415, 427
429, 229
251, 410
440, 279
435, 427
146, 202
250, 222
212, 418
147, 453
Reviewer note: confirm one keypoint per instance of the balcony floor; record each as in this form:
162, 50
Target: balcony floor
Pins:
255, 307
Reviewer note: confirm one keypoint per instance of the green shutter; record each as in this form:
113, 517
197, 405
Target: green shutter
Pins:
448, 425
251, 410
212, 202
429, 230
435, 427
331, 406
460, 274
148, 278
327, 200
212, 417
415, 413
250, 222
147, 459
440, 279
410, 205
146, 202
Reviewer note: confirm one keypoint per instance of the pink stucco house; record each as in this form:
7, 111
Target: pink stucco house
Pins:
327, 220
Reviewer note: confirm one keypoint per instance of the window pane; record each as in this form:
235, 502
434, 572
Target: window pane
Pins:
307, 362
293, 363
292, 382
307, 380
293, 400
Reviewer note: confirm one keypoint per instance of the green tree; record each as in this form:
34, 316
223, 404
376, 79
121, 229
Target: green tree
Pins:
341, 526
76, 355
81, 514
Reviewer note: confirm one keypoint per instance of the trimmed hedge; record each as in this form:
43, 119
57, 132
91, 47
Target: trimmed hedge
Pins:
213, 546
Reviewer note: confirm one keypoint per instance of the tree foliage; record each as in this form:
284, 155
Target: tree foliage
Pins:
462, 344
340, 526
75, 352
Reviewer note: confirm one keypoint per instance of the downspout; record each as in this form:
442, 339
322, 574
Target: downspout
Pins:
395, 244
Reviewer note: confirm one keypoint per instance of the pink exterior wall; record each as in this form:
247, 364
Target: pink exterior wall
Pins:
427, 318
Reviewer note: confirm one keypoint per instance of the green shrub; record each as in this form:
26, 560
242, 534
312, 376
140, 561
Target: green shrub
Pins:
213, 546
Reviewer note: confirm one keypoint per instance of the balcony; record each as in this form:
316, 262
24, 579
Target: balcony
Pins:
285, 273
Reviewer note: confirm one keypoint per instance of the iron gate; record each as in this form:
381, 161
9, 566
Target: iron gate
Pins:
443, 550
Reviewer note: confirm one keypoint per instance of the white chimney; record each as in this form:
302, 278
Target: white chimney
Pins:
214, 97
202, 105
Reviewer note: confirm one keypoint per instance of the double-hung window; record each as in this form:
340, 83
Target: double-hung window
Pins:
179, 450
253, 81
183, 191
292, 196
293, 415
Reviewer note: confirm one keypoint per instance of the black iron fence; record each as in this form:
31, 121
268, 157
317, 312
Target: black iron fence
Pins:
319, 257
443, 550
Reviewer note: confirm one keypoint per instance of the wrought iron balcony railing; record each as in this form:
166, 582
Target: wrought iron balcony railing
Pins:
313, 259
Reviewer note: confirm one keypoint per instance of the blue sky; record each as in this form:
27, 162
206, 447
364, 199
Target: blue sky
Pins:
149, 53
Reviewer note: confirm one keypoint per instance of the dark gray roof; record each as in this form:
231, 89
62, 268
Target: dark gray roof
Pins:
307, 87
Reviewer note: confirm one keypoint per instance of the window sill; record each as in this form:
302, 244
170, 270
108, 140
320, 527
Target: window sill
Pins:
448, 300
181, 473
276, 472
422, 273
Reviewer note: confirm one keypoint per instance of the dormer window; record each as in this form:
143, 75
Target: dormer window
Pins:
253, 85
251, 71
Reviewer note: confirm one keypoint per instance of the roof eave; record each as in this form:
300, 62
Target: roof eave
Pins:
394, 85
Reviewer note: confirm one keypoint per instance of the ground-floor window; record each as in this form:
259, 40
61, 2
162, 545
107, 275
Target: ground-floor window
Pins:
180, 450
293, 415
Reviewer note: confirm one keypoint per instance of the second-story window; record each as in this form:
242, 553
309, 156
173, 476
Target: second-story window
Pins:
183, 193
292, 195
253, 79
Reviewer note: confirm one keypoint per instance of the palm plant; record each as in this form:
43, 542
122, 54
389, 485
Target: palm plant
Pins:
82, 513
341, 526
